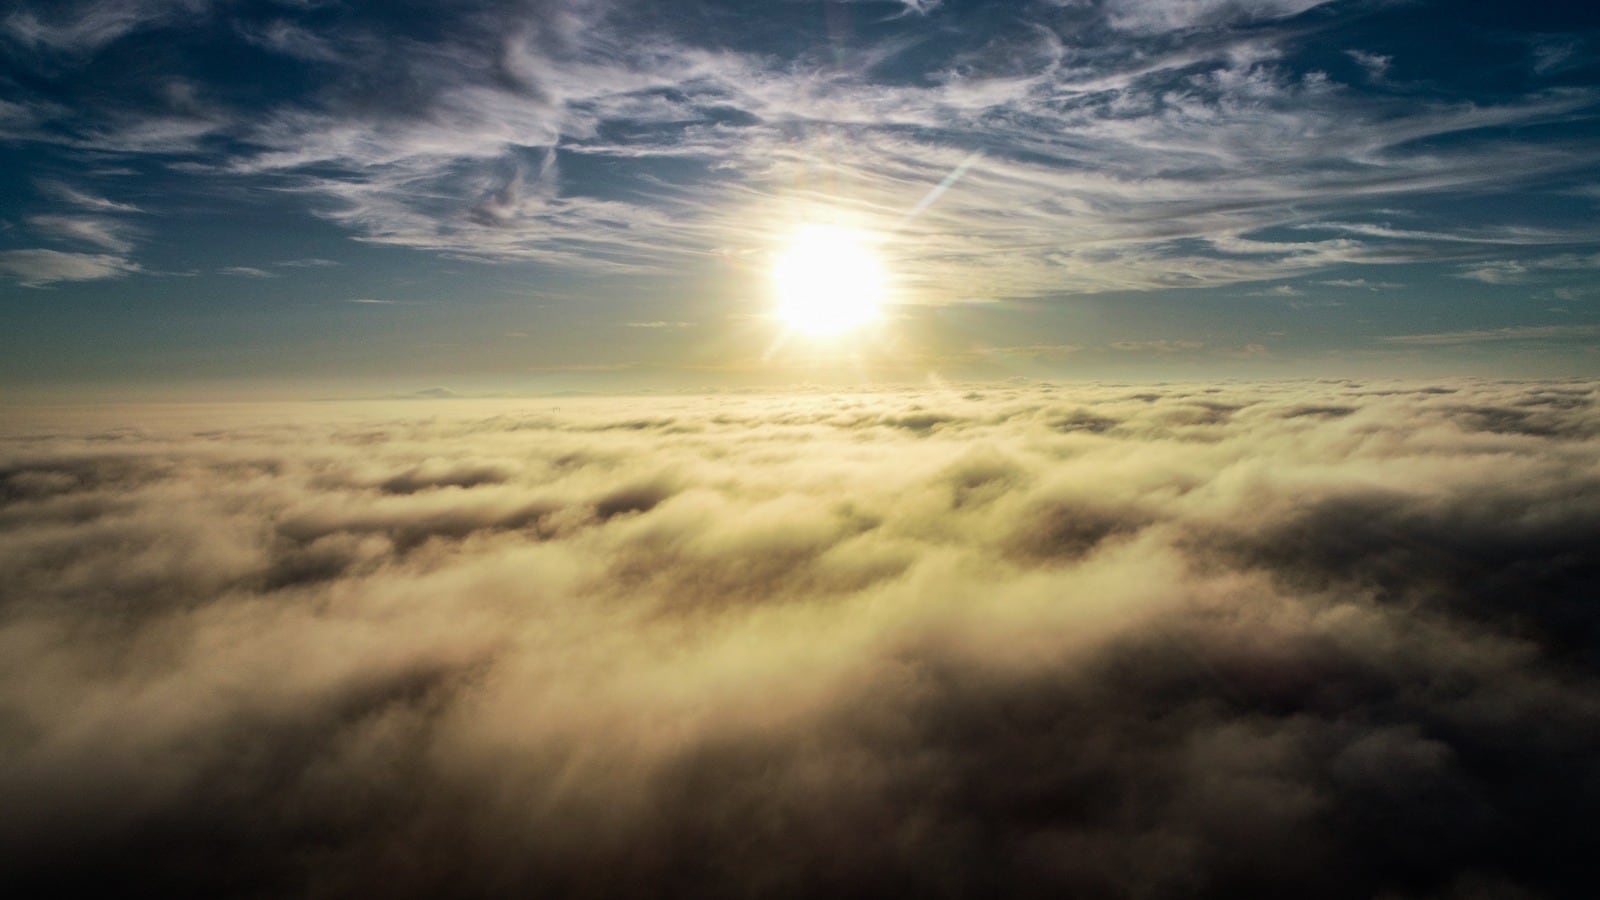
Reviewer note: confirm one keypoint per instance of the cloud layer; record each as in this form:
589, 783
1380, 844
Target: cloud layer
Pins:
1326, 640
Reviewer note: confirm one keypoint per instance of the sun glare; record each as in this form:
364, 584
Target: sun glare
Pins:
827, 281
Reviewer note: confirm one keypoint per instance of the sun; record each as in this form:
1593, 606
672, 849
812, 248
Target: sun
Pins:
828, 281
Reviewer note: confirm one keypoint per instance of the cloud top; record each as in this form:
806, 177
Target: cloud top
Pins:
1328, 639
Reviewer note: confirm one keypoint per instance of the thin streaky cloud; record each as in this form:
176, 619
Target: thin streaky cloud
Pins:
1496, 335
101, 232
44, 267
79, 198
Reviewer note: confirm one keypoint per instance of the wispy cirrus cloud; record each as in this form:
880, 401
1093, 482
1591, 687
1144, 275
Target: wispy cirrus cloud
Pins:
246, 272
78, 198
1499, 272
1361, 284
1159, 16
101, 232
1498, 335
1376, 65
1512, 271
81, 27
281, 36
41, 267
1120, 146
1158, 346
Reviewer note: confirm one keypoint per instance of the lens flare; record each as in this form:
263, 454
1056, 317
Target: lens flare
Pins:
828, 281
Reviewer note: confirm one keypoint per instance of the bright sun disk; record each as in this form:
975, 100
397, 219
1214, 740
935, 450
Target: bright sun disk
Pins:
828, 281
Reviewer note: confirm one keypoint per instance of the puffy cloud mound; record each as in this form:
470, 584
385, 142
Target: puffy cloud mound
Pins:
1313, 640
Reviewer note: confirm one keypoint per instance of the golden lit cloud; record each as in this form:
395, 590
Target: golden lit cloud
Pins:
1025, 640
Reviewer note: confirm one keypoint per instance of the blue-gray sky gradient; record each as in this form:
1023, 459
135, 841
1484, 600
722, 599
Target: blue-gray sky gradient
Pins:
510, 192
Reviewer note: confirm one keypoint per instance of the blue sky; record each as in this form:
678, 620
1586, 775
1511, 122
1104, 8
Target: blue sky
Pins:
522, 195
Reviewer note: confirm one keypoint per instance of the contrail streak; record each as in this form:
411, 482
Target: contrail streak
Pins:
939, 189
